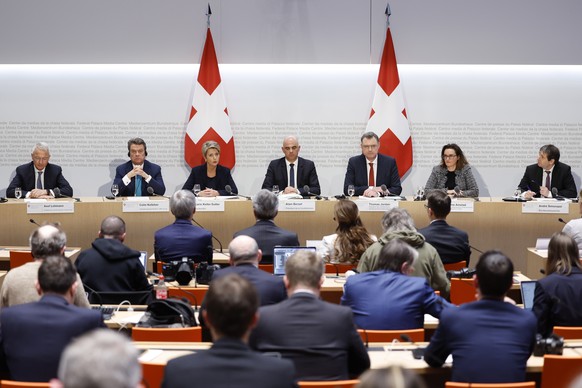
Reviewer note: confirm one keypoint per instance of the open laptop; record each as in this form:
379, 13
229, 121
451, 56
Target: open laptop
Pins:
143, 259
528, 289
280, 255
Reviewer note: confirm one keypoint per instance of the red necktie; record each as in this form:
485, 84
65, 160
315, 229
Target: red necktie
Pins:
371, 177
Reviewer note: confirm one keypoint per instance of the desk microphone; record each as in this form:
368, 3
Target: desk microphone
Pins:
562, 220
228, 189
151, 192
213, 236
34, 222
417, 353
478, 250
308, 192
556, 195
58, 194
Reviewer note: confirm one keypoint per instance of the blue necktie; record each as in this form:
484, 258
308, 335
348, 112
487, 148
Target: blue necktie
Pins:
292, 175
138, 185
39, 180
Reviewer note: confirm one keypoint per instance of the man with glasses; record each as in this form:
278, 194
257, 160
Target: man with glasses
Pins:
38, 178
370, 170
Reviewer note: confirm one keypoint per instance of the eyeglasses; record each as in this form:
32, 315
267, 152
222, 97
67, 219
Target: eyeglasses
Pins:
449, 156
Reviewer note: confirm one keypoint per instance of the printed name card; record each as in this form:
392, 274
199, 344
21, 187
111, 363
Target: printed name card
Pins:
558, 207
50, 207
209, 205
462, 206
378, 205
293, 205
146, 206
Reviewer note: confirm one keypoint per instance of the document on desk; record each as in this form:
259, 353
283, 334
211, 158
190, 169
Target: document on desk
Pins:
150, 355
132, 318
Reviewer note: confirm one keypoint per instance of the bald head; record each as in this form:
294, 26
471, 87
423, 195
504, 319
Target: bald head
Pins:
291, 148
47, 240
112, 227
244, 249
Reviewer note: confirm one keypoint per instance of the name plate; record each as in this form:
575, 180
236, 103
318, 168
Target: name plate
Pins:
209, 205
146, 206
50, 207
561, 207
293, 205
380, 205
463, 206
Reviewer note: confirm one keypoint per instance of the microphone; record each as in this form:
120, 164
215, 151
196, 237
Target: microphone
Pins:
417, 353
308, 192
458, 192
472, 247
34, 222
228, 189
556, 195
58, 194
213, 236
562, 220
385, 191
151, 192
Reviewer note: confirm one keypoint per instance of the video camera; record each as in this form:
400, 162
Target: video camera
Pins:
554, 344
463, 273
181, 271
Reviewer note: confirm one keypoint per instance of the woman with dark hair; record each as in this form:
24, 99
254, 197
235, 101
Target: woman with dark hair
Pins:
351, 238
454, 171
558, 295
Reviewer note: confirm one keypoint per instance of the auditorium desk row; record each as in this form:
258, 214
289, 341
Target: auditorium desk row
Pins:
491, 224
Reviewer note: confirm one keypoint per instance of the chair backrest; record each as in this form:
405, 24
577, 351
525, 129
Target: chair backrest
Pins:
194, 295
22, 384
267, 268
569, 332
527, 384
416, 335
153, 374
462, 291
133, 297
560, 371
338, 268
455, 266
18, 258
179, 334
329, 384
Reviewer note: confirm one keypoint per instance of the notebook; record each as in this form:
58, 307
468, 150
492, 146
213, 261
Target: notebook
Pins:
280, 255
528, 289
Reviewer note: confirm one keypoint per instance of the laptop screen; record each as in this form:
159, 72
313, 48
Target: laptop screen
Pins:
143, 258
527, 294
280, 255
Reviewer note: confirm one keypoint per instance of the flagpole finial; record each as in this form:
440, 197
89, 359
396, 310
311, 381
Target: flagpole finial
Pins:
208, 14
388, 12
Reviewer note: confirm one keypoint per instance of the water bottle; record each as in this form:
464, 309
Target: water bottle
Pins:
161, 289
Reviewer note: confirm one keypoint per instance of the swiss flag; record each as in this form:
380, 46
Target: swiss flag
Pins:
388, 117
209, 117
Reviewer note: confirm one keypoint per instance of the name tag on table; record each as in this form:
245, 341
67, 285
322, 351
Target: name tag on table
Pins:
294, 205
376, 205
462, 206
144, 205
50, 207
209, 204
561, 207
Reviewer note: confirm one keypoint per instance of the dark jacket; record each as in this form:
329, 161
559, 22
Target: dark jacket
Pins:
25, 178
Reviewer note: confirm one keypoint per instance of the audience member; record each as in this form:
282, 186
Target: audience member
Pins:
34, 334
397, 223
389, 299
18, 286
110, 266
138, 174
319, 337
490, 340
393, 376
558, 295
574, 228
231, 313
451, 243
264, 231
454, 173
182, 239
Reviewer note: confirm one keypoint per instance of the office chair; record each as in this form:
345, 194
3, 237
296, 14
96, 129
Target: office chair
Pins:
269, 268
416, 335
455, 266
328, 384
22, 384
338, 268
152, 374
170, 334
18, 258
115, 298
527, 384
462, 291
569, 332
560, 371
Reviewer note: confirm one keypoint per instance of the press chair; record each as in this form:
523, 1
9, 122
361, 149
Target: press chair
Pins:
462, 291
329, 384
338, 268
194, 295
416, 335
569, 332
267, 268
179, 334
22, 384
455, 266
18, 258
527, 384
152, 374
560, 371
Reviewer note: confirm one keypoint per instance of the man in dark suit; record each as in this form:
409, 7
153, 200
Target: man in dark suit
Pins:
135, 176
451, 243
38, 178
540, 179
490, 339
231, 313
319, 337
265, 232
291, 173
182, 239
370, 170
33, 335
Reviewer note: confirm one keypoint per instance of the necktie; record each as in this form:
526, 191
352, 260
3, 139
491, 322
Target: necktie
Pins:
371, 177
548, 183
292, 175
39, 181
138, 185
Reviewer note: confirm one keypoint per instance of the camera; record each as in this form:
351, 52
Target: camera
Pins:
179, 270
463, 273
554, 344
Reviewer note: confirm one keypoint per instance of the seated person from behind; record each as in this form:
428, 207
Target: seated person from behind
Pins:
35, 334
451, 243
138, 174
38, 178
549, 173
231, 314
490, 339
558, 295
211, 176
453, 172
574, 228
182, 239
264, 231
350, 239
111, 266
389, 299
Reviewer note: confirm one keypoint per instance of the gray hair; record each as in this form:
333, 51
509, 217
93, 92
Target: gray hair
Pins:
265, 205
47, 240
208, 145
101, 358
369, 135
243, 249
41, 146
397, 219
183, 204
304, 268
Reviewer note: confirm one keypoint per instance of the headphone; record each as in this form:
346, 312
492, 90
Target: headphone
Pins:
137, 141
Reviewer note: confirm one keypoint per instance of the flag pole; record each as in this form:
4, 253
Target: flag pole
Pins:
387, 13
208, 14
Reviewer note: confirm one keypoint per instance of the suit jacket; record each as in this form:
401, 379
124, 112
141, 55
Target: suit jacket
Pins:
561, 179
25, 178
199, 175
451, 243
319, 337
181, 239
157, 182
33, 335
228, 363
384, 300
557, 301
463, 179
306, 176
267, 235
490, 341
387, 174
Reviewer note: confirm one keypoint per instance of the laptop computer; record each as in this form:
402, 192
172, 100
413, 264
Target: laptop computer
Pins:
280, 255
143, 259
528, 289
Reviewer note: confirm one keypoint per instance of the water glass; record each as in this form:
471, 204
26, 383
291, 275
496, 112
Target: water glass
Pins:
18, 192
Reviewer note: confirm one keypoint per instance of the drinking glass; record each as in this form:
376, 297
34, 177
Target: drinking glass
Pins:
115, 190
18, 192
275, 189
196, 189
351, 190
